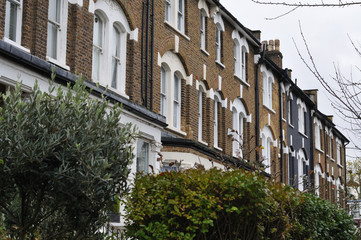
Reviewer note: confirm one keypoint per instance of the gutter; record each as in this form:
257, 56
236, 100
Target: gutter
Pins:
63, 77
245, 31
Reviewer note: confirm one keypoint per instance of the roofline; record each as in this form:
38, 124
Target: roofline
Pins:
64, 77
245, 31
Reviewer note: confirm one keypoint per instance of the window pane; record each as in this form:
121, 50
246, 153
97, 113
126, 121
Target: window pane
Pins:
114, 72
116, 38
98, 31
167, 10
54, 11
96, 62
163, 104
52, 40
11, 20
142, 156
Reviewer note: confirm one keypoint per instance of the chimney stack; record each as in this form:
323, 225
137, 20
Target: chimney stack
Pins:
273, 51
312, 94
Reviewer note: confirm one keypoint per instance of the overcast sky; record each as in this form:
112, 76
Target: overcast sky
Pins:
326, 32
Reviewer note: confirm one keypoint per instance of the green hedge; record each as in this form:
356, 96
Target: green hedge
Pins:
215, 204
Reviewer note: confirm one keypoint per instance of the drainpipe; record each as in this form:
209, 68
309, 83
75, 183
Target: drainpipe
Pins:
281, 133
344, 157
311, 151
326, 150
260, 61
146, 55
152, 58
142, 56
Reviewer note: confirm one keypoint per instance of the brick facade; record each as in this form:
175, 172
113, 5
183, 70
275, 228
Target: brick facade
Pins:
200, 66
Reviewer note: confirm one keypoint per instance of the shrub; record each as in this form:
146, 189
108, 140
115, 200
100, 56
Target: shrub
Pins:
215, 204
196, 204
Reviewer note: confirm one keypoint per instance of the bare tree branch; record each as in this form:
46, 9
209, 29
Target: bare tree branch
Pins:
301, 4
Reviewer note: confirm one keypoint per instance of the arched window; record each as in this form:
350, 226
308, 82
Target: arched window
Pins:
110, 32
218, 44
302, 169
240, 52
177, 101
172, 74
338, 146
98, 45
267, 144
302, 113
318, 174
216, 116
318, 134
268, 81
201, 106
239, 117
116, 60
163, 90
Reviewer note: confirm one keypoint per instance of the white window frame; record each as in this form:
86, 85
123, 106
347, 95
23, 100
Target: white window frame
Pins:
18, 20
203, 30
290, 109
217, 100
236, 56
173, 66
98, 48
18, 24
331, 146
145, 167
177, 100
163, 90
168, 11
301, 112
116, 56
301, 159
112, 15
180, 16
240, 50
338, 150
201, 93
268, 144
218, 44
267, 81
59, 57
238, 115
243, 63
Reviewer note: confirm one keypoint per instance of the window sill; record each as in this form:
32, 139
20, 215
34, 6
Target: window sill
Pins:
339, 165
303, 134
319, 150
291, 125
269, 109
204, 143
241, 80
218, 148
57, 63
116, 91
176, 130
333, 160
16, 44
220, 64
175, 29
205, 52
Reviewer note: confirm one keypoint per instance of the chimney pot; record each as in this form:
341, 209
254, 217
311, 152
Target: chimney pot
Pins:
277, 44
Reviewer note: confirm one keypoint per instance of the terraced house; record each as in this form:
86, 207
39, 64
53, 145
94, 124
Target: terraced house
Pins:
201, 87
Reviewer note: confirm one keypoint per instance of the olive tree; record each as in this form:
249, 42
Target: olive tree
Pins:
63, 157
